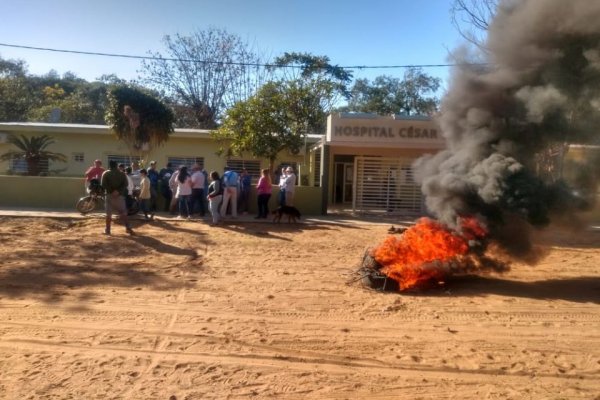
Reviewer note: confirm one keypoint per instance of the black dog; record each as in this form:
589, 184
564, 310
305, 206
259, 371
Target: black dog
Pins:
292, 213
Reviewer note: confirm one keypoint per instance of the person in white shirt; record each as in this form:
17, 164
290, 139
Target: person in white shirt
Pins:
184, 192
173, 188
281, 197
290, 186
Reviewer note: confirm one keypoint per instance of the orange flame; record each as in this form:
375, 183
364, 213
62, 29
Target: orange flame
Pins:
419, 255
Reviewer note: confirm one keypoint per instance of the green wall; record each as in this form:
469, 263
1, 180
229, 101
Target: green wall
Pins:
63, 193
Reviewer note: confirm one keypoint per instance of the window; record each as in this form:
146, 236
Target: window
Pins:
19, 166
188, 162
317, 172
78, 157
252, 166
122, 159
285, 164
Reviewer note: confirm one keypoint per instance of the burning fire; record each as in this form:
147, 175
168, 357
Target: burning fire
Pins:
425, 251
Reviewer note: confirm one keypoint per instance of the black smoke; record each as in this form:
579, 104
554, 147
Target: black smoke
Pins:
539, 86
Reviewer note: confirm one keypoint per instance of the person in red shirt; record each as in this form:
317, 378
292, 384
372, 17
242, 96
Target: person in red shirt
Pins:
94, 172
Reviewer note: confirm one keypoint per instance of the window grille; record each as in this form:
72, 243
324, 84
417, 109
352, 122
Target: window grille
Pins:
386, 184
78, 157
285, 164
317, 171
19, 166
252, 166
127, 160
188, 162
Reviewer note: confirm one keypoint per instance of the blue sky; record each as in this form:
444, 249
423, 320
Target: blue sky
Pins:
352, 32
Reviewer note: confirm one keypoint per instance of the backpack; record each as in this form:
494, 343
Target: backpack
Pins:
230, 179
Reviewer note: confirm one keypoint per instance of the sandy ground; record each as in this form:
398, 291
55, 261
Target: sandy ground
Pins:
183, 310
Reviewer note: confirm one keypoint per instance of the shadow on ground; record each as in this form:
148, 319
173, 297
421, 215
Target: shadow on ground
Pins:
585, 289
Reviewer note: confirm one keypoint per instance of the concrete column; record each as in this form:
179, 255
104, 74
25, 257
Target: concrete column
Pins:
325, 173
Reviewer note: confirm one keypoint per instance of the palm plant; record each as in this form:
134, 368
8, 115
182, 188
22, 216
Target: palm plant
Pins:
33, 151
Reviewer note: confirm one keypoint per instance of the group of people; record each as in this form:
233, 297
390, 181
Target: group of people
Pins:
186, 191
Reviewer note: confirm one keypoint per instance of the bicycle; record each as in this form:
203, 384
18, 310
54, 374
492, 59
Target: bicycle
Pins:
96, 197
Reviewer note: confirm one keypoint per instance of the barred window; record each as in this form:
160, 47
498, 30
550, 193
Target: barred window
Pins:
317, 172
188, 162
285, 164
252, 166
127, 160
78, 157
19, 166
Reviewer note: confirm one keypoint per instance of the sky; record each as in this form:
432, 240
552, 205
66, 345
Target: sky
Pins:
350, 33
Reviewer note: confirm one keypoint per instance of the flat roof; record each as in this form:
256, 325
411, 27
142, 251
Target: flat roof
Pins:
102, 129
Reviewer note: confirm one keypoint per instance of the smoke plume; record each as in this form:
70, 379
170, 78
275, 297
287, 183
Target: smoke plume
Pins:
539, 86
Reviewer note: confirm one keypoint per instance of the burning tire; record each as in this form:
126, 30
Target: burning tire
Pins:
372, 278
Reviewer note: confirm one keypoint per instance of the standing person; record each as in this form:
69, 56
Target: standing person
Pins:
264, 189
93, 172
135, 174
153, 176
114, 183
290, 186
165, 190
184, 192
230, 192
198, 196
145, 195
205, 187
215, 195
130, 185
245, 184
281, 199
173, 188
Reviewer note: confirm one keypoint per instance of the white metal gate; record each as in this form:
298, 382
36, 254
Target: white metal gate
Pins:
386, 184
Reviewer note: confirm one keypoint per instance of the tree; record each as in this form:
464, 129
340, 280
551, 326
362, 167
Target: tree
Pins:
140, 120
472, 18
206, 73
33, 151
284, 111
327, 83
413, 95
262, 125
15, 91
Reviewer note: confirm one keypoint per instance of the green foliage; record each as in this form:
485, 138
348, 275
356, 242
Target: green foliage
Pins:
33, 151
15, 93
327, 83
413, 95
264, 125
283, 112
138, 119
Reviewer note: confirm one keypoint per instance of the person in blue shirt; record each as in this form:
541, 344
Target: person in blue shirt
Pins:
230, 181
245, 184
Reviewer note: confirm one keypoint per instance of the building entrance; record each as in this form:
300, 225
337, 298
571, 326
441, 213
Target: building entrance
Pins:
386, 184
343, 182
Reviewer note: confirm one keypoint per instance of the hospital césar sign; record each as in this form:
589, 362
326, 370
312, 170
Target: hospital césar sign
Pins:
383, 131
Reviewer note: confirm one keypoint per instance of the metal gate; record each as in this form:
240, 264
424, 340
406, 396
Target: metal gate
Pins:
386, 185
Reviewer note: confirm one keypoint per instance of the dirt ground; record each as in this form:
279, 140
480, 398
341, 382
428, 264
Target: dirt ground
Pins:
183, 310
